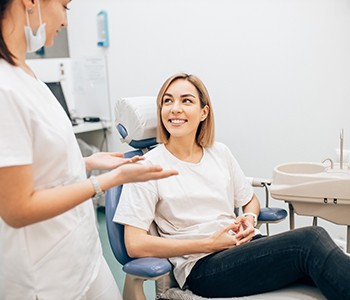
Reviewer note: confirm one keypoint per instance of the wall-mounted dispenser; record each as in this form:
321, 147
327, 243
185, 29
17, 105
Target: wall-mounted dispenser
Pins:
102, 29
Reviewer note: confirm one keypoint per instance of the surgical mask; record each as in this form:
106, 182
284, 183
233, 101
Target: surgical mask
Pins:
35, 41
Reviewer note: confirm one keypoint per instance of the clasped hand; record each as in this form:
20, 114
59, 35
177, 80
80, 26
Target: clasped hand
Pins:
246, 230
241, 231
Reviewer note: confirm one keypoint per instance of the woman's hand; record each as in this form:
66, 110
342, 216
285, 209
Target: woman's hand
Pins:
246, 230
246, 222
224, 238
108, 160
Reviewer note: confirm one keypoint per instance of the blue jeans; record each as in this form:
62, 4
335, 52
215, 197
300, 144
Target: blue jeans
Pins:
274, 262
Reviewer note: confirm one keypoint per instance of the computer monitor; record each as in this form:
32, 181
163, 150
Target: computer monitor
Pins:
56, 89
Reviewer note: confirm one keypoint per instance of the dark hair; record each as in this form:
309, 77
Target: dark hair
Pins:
4, 51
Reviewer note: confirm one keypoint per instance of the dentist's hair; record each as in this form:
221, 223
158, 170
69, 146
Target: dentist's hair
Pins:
4, 51
205, 130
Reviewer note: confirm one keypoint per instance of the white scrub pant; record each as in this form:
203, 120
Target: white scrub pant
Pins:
104, 287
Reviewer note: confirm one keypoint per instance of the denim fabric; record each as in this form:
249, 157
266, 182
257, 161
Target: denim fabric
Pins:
270, 263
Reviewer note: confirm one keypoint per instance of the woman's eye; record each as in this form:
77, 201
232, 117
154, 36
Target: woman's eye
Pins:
66, 5
166, 100
187, 100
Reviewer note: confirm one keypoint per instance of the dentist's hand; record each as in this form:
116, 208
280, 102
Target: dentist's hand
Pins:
133, 172
108, 160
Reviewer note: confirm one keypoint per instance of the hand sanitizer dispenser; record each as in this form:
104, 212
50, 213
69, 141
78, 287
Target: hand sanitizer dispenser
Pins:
102, 29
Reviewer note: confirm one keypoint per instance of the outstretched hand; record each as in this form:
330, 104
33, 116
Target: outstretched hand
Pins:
135, 172
108, 160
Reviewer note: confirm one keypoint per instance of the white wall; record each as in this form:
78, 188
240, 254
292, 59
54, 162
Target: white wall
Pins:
278, 71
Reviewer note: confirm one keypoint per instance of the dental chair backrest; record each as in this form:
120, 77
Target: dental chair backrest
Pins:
136, 123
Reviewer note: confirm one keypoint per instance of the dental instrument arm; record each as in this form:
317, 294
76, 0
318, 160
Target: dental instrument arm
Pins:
341, 148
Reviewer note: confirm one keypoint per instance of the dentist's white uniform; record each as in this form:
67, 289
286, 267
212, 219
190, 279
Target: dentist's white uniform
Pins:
61, 257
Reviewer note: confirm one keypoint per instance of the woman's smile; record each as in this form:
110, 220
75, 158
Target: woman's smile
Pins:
177, 121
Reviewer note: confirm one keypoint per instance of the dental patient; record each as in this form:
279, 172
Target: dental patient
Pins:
214, 252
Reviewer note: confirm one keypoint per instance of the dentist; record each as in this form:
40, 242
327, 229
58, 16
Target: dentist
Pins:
49, 245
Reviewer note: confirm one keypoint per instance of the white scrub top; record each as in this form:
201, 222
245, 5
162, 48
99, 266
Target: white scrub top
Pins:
191, 205
60, 257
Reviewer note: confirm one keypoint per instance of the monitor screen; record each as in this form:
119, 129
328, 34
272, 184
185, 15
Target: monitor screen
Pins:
56, 89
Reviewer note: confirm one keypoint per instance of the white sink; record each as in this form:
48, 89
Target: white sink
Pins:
299, 172
301, 168
314, 189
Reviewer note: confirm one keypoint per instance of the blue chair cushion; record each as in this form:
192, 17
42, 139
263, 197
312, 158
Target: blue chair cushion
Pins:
271, 214
149, 267
115, 231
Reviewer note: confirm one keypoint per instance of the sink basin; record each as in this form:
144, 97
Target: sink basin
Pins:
303, 172
299, 172
301, 168
314, 189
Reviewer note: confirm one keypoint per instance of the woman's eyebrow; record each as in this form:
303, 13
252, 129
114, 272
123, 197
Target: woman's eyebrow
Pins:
188, 95
182, 96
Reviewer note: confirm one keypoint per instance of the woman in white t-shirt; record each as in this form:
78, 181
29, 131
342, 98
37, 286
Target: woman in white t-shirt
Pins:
49, 245
215, 253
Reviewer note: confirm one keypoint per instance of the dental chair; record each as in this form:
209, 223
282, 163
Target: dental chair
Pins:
136, 122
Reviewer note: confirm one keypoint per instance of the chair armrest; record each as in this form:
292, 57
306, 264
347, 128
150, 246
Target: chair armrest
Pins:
148, 267
272, 214
259, 182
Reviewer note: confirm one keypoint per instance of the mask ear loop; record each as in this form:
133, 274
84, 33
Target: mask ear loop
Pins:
39, 13
27, 17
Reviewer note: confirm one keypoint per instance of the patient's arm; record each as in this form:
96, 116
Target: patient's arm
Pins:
252, 206
140, 244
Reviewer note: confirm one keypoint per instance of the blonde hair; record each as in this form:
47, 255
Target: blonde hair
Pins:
205, 131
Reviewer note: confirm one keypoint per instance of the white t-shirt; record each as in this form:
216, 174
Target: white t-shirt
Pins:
191, 205
60, 257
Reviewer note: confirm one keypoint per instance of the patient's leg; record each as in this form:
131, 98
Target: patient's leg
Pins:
273, 262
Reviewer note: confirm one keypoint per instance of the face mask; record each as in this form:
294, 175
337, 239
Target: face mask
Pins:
35, 41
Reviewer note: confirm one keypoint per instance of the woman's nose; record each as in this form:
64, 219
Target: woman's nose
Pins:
176, 107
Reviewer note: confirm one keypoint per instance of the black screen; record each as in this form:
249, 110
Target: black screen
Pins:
56, 89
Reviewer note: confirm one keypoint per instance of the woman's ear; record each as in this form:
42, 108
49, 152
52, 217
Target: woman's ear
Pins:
205, 112
29, 4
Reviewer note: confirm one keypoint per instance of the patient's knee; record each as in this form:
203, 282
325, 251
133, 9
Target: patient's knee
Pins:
315, 235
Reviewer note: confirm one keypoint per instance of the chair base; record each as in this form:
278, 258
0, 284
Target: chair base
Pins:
293, 292
133, 287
